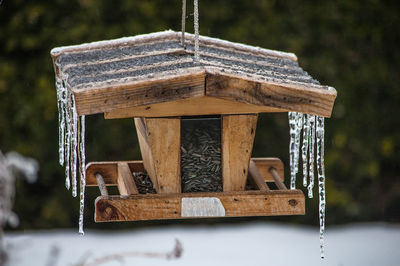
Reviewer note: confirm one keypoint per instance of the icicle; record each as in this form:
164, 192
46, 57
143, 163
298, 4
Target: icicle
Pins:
313, 131
74, 143
299, 127
304, 148
67, 110
295, 124
292, 127
311, 141
82, 164
321, 181
61, 119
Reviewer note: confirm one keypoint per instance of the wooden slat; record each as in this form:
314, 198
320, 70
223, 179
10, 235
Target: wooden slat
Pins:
190, 107
109, 170
126, 184
277, 179
168, 206
106, 99
264, 164
164, 139
256, 178
145, 150
282, 96
237, 143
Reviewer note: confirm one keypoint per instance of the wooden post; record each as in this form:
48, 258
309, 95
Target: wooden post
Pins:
256, 178
277, 178
126, 184
145, 149
237, 143
159, 140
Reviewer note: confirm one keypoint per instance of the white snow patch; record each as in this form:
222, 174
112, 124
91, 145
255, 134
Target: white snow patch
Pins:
246, 244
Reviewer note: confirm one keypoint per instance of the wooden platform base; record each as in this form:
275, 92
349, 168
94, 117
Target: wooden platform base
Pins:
222, 204
131, 206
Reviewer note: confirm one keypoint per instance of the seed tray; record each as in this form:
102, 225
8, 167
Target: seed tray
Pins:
259, 201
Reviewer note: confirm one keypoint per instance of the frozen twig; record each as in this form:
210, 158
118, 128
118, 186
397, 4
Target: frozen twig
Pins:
54, 255
174, 254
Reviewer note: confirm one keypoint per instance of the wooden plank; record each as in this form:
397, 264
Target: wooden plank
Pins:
264, 164
164, 138
190, 107
126, 184
168, 206
237, 143
145, 150
235, 47
121, 42
109, 170
106, 99
288, 97
256, 178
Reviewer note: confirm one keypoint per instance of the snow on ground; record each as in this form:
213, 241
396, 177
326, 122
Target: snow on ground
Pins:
244, 244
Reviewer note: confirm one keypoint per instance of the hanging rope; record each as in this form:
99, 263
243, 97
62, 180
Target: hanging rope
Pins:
183, 23
196, 31
196, 28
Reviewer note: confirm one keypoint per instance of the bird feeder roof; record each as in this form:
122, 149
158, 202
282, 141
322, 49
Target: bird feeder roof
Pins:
153, 75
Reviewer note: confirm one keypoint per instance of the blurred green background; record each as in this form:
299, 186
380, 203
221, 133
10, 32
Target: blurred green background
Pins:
347, 44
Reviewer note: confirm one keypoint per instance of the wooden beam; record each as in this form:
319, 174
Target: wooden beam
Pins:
277, 178
287, 97
126, 184
106, 99
169, 206
165, 139
256, 178
109, 170
264, 164
145, 150
237, 143
190, 107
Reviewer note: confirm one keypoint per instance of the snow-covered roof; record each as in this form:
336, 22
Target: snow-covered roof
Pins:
136, 71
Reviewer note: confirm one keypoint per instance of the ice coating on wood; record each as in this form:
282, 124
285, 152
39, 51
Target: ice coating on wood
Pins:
168, 34
313, 133
71, 143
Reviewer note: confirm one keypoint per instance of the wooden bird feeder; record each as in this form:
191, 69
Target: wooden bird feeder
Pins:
195, 121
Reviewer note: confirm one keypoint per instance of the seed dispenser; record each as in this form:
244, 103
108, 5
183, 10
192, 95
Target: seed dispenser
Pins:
195, 120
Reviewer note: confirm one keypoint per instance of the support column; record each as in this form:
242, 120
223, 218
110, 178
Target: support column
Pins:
238, 133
